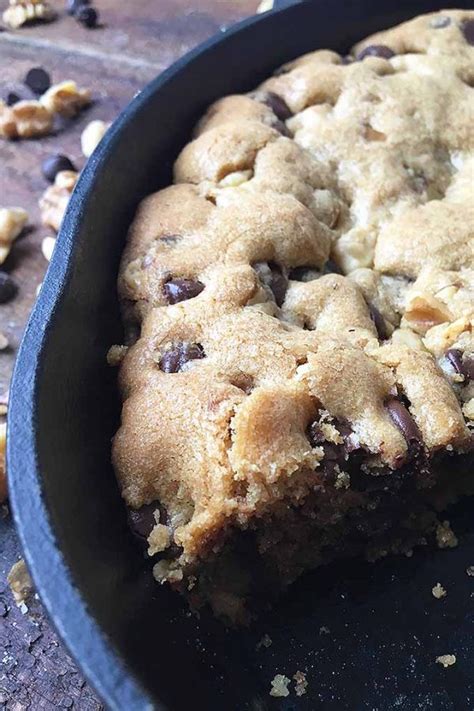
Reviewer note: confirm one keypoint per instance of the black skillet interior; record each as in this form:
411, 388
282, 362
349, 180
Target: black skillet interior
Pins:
365, 635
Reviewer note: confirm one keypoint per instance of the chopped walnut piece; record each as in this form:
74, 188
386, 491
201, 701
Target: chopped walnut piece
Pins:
279, 686
66, 99
301, 683
47, 247
438, 591
447, 660
3, 473
4, 342
92, 136
20, 582
21, 12
54, 200
12, 221
25, 119
445, 536
116, 354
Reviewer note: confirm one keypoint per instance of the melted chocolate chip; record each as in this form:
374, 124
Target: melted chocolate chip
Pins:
281, 128
38, 80
173, 360
402, 418
274, 102
8, 287
468, 31
141, 521
376, 50
182, 289
272, 276
454, 356
379, 322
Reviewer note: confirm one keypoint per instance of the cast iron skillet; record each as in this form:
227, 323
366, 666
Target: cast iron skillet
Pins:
366, 635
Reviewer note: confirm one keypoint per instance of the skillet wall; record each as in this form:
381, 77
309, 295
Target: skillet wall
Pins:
62, 369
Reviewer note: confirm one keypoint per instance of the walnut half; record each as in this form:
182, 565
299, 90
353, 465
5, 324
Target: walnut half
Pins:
66, 99
26, 119
54, 200
21, 12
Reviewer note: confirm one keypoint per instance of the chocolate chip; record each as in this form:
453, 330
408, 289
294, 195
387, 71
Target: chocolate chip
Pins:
376, 50
331, 267
182, 289
304, 274
347, 59
87, 16
454, 357
406, 424
468, 31
12, 98
173, 360
271, 275
8, 287
74, 5
54, 164
281, 128
461, 363
379, 322
38, 80
468, 367
274, 102
141, 521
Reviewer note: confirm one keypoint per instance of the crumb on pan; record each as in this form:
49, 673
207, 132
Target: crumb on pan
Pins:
265, 641
446, 660
280, 686
20, 582
438, 591
445, 536
301, 683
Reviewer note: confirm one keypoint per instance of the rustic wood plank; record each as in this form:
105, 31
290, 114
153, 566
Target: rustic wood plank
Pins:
140, 39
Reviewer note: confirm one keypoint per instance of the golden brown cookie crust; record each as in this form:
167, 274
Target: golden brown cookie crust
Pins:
254, 354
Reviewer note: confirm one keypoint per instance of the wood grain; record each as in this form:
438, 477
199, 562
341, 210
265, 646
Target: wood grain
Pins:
138, 40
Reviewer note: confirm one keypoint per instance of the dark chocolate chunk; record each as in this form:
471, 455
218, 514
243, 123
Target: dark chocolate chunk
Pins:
282, 128
272, 276
182, 289
87, 16
468, 31
173, 360
38, 80
454, 357
12, 98
274, 102
468, 367
331, 267
54, 164
141, 521
347, 59
74, 5
304, 274
402, 418
8, 287
379, 322
376, 50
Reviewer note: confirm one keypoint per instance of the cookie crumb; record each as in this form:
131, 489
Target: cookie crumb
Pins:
445, 536
115, 355
20, 582
470, 571
266, 641
324, 630
301, 683
279, 686
438, 591
447, 660
343, 481
265, 6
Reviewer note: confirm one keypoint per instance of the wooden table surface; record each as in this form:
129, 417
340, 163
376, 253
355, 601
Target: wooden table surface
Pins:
138, 40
